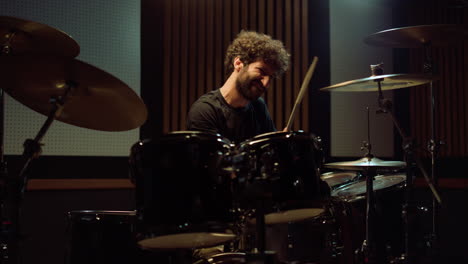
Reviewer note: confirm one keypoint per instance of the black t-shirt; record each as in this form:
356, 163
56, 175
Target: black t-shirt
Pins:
211, 113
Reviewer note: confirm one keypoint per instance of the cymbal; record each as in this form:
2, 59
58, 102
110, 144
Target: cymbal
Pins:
419, 36
97, 101
389, 82
32, 37
366, 163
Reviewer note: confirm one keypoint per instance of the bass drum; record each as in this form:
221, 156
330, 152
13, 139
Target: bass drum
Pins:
349, 210
281, 169
183, 190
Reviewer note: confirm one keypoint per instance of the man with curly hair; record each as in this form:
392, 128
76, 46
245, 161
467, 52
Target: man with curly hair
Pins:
236, 110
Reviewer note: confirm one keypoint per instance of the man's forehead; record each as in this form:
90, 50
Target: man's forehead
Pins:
265, 66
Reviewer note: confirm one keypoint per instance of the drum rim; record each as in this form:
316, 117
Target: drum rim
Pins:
199, 133
102, 212
275, 135
220, 256
187, 133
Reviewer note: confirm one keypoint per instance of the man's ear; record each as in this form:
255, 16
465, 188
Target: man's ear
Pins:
238, 64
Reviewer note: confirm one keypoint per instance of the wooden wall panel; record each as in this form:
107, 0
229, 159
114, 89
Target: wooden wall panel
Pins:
450, 90
195, 38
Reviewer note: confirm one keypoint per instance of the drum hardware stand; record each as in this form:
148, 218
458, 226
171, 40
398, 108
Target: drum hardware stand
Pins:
6, 47
32, 147
385, 106
432, 145
260, 254
369, 250
13, 188
6, 226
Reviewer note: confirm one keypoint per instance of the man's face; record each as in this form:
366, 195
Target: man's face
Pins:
254, 79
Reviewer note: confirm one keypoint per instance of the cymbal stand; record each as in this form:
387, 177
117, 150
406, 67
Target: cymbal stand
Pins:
369, 247
385, 106
32, 147
16, 186
4, 225
7, 254
432, 145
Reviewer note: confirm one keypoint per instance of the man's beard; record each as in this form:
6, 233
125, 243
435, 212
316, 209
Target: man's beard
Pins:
249, 89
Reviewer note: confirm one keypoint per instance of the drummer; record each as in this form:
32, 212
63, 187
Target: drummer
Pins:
236, 110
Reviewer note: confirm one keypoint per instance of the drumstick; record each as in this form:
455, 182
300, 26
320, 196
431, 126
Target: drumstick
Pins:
305, 85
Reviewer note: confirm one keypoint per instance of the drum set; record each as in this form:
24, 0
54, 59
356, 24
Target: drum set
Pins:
265, 200
202, 199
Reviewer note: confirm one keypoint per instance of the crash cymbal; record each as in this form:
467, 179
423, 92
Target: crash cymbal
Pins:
388, 82
366, 163
419, 36
23, 36
97, 101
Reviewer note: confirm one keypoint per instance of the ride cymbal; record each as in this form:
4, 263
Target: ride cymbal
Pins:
366, 163
419, 36
19, 36
97, 99
387, 81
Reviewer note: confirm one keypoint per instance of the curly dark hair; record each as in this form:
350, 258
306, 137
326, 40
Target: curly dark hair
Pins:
251, 46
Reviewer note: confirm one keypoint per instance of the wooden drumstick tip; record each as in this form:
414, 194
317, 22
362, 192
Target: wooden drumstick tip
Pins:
304, 86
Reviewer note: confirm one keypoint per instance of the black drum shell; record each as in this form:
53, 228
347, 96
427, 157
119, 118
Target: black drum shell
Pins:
281, 168
182, 183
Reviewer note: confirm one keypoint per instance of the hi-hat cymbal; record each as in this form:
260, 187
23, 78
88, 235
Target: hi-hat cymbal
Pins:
419, 36
97, 101
388, 82
366, 163
23, 36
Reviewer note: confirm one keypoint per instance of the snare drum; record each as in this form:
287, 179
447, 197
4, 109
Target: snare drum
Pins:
183, 190
281, 169
97, 236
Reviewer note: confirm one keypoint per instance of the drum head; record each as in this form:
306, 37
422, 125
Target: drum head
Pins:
292, 215
380, 183
188, 240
